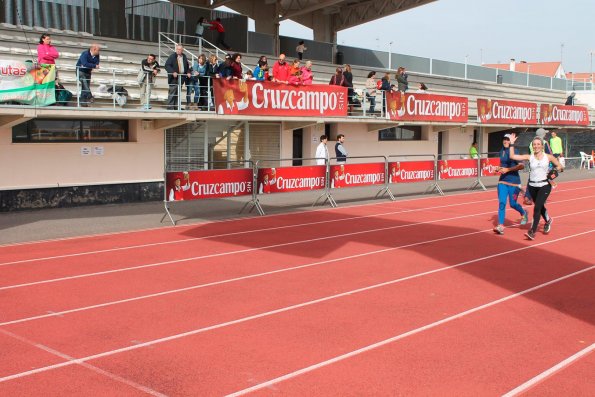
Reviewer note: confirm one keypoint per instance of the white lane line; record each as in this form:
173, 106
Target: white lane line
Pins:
88, 366
251, 231
257, 275
193, 239
310, 303
533, 381
401, 336
243, 251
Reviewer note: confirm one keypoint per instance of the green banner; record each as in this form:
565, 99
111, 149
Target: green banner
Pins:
27, 83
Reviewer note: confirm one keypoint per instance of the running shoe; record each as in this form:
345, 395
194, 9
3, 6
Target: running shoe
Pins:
530, 235
548, 226
499, 229
525, 218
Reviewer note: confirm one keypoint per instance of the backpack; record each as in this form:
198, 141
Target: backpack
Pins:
63, 96
379, 84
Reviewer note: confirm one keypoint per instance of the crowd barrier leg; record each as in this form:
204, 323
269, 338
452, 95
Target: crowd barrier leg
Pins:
434, 187
385, 191
167, 213
327, 197
255, 204
478, 182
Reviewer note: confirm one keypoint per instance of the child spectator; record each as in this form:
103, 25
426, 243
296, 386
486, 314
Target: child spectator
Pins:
423, 89
261, 71
300, 50
294, 73
200, 29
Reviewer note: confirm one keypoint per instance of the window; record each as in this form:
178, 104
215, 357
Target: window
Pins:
405, 133
55, 130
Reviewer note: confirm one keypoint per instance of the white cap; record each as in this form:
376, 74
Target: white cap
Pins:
506, 136
541, 132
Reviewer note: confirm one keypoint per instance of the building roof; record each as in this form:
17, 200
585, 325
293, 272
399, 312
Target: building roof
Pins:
548, 69
580, 76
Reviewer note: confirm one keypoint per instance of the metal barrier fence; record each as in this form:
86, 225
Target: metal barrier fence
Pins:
255, 181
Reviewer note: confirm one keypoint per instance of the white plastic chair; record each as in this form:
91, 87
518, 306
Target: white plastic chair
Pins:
586, 160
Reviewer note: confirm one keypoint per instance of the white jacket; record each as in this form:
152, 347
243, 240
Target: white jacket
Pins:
321, 154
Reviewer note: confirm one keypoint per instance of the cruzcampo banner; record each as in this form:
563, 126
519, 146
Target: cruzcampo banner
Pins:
26, 83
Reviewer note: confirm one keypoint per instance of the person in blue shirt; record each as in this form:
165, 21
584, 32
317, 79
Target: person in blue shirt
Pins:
509, 185
88, 61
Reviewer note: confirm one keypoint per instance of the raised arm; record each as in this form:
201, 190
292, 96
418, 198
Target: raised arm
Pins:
513, 155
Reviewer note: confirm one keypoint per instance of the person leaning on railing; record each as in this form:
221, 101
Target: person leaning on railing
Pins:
87, 62
236, 66
371, 87
149, 70
261, 71
306, 77
178, 71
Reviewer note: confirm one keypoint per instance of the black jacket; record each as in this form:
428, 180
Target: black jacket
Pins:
171, 65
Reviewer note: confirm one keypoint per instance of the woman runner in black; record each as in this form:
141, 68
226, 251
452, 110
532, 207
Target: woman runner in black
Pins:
539, 184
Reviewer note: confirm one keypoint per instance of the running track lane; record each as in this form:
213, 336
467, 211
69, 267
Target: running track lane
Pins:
178, 311
74, 293
312, 318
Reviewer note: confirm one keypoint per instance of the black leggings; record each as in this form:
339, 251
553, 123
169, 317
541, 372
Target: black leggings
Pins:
539, 195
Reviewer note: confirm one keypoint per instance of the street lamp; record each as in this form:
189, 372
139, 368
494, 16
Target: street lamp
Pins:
528, 73
390, 45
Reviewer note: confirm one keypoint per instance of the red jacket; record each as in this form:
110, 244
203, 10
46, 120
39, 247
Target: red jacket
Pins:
217, 26
281, 72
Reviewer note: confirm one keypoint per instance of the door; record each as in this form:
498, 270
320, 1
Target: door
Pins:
298, 139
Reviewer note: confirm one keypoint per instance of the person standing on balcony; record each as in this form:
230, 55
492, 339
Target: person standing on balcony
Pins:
218, 26
473, 153
150, 68
570, 100
306, 76
281, 70
236, 66
403, 84
87, 62
46, 52
178, 71
371, 87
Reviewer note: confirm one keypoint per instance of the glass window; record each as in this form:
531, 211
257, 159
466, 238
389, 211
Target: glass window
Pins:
404, 133
55, 130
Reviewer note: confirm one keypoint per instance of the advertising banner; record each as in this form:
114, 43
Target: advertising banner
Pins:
347, 175
454, 169
490, 166
410, 171
495, 111
26, 83
563, 115
196, 185
275, 99
427, 107
290, 179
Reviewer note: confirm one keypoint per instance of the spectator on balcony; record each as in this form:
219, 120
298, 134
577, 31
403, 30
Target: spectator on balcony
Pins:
338, 78
149, 69
385, 86
423, 89
87, 62
200, 29
46, 52
281, 70
307, 76
178, 71
213, 67
196, 83
349, 84
570, 100
295, 73
340, 151
261, 71
473, 153
236, 66
218, 26
402, 83
225, 70
371, 87
249, 75
300, 50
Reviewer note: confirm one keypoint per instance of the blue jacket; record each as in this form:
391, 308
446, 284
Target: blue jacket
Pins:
87, 62
507, 162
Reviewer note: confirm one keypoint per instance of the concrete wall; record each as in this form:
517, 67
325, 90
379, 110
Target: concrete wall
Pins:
37, 165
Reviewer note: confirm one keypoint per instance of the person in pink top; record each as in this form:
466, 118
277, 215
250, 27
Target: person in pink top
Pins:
46, 52
281, 70
307, 76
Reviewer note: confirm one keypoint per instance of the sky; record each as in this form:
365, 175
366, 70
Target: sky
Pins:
481, 30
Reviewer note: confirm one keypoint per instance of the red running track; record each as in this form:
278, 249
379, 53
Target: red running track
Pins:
413, 297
